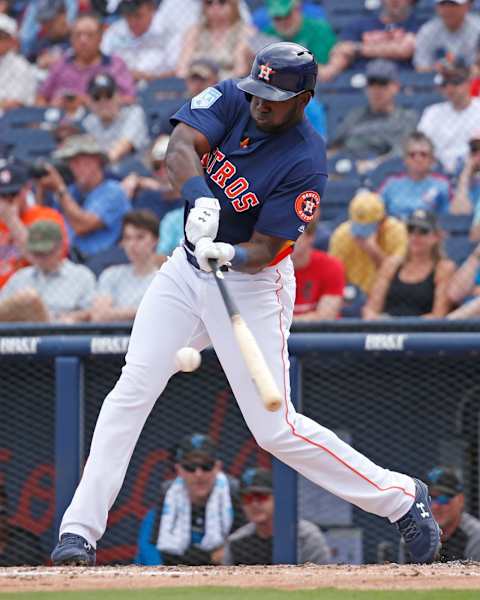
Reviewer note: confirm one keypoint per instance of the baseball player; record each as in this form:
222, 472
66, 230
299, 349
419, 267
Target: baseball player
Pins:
252, 171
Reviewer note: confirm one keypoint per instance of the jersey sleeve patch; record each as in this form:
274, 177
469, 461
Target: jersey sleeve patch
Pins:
205, 99
306, 204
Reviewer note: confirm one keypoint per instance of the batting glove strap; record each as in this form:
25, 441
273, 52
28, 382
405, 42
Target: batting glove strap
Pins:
206, 248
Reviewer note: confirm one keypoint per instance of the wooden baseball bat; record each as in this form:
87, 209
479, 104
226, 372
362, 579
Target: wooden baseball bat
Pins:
254, 359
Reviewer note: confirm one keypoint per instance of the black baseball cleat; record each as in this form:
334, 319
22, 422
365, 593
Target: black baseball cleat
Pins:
419, 529
73, 550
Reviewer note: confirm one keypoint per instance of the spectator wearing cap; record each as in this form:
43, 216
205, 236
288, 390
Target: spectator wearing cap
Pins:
70, 76
419, 186
252, 544
450, 124
467, 191
367, 239
121, 287
378, 129
18, 546
196, 511
54, 36
119, 130
290, 25
453, 33
389, 34
417, 284
320, 280
202, 73
17, 213
52, 289
141, 38
460, 530
94, 205
221, 35
18, 82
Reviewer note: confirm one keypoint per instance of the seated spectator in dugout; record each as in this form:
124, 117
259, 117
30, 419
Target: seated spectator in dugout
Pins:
419, 187
119, 130
18, 81
452, 34
320, 280
17, 545
290, 25
196, 511
68, 79
376, 131
467, 191
460, 529
367, 239
52, 289
252, 544
54, 39
18, 210
94, 205
121, 287
389, 34
450, 124
415, 285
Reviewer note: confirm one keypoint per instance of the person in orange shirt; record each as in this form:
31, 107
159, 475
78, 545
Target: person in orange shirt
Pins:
17, 213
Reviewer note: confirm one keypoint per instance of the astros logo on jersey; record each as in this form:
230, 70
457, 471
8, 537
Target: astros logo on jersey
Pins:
306, 204
265, 72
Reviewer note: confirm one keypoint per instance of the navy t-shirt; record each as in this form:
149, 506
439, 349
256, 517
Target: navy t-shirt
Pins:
270, 183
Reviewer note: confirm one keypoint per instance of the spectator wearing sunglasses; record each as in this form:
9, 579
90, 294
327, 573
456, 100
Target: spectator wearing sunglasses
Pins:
450, 124
460, 530
417, 285
454, 32
419, 187
252, 544
377, 130
119, 130
196, 512
467, 192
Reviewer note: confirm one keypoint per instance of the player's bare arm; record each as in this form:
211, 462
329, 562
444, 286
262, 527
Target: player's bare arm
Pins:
261, 250
187, 145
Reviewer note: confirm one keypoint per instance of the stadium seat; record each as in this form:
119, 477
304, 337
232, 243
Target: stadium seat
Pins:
348, 82
130, 164
336, 199
112, 256
413, 82
162, 89
29, 143
419, 101
28, 116
374, 179
342, 166
458, 248
158, 114
337, 108
456, 224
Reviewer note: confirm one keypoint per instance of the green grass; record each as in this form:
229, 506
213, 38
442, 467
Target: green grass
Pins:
244, 594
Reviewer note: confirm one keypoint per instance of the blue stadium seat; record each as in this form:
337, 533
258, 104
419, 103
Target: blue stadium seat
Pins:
342, 166
162, 89
456, 224
335, 201
26, 116
112, 256
337, 106
413, 82
458, 248
419, 101
374, 179
29, 143
158, 114
350, 81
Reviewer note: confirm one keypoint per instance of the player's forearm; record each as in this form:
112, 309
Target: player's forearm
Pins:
185, 148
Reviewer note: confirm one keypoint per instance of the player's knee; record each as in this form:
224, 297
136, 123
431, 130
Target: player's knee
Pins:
136, 385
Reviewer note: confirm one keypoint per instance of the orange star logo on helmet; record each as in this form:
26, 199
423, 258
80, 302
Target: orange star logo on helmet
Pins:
265, 72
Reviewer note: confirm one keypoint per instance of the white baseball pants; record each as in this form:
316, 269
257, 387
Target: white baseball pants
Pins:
183, 307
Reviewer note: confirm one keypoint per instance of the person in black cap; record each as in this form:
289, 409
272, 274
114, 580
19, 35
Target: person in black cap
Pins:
460, 530
376, 131
196, 512
252, 544
118, 129
417, 285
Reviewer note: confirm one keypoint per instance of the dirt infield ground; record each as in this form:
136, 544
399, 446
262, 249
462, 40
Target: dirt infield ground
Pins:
373, 577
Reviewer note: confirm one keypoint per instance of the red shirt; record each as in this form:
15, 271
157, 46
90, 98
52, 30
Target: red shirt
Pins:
323, 276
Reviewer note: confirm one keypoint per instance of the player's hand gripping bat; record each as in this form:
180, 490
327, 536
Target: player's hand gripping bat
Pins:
254, 359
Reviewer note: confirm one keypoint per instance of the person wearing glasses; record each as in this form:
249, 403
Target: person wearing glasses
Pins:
417, 285
460, 530
196, 511
119, 130
418, 187
450, 124
222, 36
252, 544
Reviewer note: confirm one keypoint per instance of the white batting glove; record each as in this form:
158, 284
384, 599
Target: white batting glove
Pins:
202, 220
206, 248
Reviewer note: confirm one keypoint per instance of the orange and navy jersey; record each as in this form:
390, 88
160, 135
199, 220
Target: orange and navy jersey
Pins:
269, 183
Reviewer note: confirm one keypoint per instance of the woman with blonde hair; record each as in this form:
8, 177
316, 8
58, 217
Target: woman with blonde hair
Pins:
417, 284
221, 36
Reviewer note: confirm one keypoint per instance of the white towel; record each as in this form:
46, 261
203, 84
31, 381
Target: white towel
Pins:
175, 532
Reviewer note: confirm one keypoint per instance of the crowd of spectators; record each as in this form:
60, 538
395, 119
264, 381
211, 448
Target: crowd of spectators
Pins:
86, 91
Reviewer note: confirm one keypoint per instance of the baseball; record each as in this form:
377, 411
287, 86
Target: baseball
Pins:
188, 359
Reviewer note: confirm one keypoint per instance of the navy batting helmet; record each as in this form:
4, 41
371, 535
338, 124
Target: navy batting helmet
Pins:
281, 71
